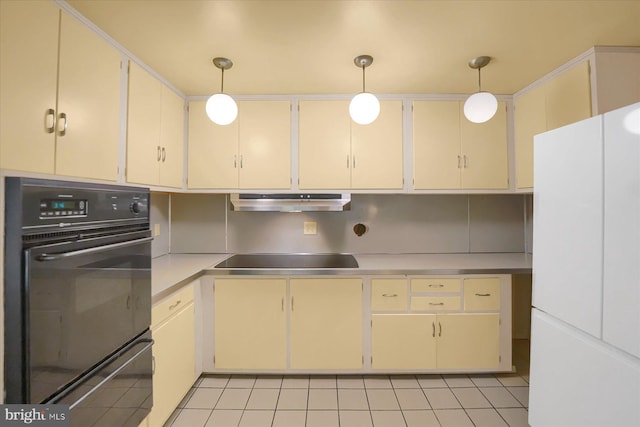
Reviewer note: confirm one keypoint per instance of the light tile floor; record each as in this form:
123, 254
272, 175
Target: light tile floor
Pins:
489, 400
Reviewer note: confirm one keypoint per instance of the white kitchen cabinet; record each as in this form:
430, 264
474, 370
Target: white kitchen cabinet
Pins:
250, 324
63, 84
155, 131
620, 319
450, 152
173, 329
253, 152
336, 153
326, 323
568, 224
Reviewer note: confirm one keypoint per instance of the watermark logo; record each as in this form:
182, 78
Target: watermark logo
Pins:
34, 415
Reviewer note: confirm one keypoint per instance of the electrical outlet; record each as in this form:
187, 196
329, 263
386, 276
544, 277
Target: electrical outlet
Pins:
310, 227
156, 230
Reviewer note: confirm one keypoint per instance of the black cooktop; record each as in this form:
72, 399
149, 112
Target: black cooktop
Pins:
289, 261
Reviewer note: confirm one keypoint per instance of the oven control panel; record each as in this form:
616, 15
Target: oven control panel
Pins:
52, 208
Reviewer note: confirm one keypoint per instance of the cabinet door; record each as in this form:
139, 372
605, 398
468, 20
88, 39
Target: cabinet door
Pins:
143, 127
403, 341
213, 151
250, 324
470, 341
436, 145
89, 94
568, 96
265, 144
326, 323
529, 121
324, 145
484, 151
171, 139
174, 356
376, 150
28, 76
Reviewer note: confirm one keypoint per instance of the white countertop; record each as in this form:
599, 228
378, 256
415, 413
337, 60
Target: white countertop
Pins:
176, 269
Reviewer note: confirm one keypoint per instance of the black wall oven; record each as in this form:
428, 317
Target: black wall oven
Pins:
78, 299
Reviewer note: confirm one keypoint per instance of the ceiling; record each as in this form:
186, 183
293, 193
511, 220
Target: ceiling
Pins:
308, 46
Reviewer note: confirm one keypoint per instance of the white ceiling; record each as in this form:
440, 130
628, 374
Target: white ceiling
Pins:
308, 46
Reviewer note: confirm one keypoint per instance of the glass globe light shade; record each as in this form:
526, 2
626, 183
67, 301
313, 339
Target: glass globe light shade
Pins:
364, 108
221, 109
480, 107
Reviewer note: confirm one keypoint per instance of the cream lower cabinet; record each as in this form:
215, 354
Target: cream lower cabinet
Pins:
326, 323
336, 153
429, 341
450, 152
60, 87
250, 324
173, 330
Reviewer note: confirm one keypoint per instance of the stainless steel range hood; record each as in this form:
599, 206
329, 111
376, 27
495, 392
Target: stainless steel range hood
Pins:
290, 202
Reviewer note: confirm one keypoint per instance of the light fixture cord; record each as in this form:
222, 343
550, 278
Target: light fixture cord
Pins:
479, 82
363, 67
222, 82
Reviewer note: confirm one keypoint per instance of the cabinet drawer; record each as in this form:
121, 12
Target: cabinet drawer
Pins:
171, 305
388, 294
435, 303
435, 285
482, 294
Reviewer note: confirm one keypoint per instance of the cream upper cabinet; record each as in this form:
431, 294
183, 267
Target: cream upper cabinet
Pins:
326, 323
250, 324
75, 133
335, 153
452, 153
558, 102
28, 78
530, 118
253, 152
155, 131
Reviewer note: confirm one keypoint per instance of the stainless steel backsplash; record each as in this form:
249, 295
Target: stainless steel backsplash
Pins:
202, 223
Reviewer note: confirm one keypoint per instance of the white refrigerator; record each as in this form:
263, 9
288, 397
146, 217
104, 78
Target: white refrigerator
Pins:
585, 333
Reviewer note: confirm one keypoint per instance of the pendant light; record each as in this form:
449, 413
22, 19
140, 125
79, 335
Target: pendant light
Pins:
481, 106
364, 107
221, 108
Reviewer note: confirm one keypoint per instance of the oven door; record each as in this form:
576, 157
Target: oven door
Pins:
85, 300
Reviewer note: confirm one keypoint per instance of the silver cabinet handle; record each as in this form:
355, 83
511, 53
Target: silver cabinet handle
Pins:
235, 161
63, 131
283, 304
436, 303
171, 307
433, 325
459, 161
159, 156
465, 161
50, 120
354, 161
439, 329
389, 295
164, 154
436, 285
347, 161
483, 295
241, 161
291, 303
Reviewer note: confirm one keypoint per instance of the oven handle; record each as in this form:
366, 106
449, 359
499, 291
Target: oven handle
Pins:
55, 257
150, 342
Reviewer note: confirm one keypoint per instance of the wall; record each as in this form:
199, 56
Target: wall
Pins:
159, 218
396, 223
